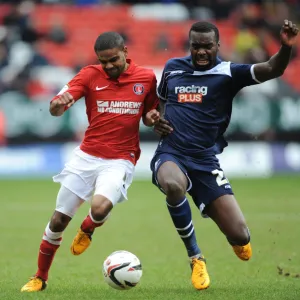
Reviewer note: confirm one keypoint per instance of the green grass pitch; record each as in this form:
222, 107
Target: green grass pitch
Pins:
142, 225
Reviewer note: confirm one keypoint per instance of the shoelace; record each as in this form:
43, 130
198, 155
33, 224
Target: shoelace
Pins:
34, 280
241, 249
201, 267
83, 235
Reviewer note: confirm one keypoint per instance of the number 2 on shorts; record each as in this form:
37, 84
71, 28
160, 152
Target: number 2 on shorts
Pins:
221, 179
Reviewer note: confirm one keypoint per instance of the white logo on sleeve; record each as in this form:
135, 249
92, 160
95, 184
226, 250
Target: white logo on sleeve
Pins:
101, 88
64, 89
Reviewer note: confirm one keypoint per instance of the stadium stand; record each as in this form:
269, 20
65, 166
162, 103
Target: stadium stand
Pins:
82, 25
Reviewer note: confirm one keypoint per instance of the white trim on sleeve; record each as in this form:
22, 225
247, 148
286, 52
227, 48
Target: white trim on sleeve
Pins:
253, 74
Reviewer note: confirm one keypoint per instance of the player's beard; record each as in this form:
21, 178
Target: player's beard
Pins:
116, 71
204, 66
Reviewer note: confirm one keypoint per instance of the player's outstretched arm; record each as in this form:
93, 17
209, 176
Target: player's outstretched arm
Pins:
276, 65
59, 105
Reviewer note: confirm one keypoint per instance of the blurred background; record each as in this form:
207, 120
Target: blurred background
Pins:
44, 43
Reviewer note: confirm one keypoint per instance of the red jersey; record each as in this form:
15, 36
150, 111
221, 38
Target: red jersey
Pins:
114, 109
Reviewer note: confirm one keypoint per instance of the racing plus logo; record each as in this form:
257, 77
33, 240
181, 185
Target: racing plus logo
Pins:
192, 93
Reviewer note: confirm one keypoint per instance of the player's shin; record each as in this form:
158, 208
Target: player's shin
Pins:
48, 247
182, 219
89, 223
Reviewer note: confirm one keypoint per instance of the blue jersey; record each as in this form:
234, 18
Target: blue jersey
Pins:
199, 104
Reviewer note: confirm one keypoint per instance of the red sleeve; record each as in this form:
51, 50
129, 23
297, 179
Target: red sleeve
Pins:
151, 100
77, 87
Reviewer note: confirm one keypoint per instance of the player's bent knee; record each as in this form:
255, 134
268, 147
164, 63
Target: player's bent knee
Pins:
100, 207
173, 189
241, 236
59, 222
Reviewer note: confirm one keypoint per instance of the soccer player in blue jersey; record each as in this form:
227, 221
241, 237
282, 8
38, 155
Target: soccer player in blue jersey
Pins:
196, 94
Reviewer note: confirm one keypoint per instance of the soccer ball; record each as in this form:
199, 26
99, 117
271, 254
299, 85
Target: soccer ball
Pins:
122, 270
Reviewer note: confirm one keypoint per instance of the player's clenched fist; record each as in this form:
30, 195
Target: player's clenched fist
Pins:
288, 33
162, 127
58, 105
66, 99
151, 118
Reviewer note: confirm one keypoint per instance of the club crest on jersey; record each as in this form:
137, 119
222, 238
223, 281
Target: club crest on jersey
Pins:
192, 94
138, 89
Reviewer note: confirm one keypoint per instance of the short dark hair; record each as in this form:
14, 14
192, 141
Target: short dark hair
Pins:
108, 40
205, 27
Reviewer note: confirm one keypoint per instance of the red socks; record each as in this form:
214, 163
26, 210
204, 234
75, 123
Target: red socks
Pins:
45, 258
88, 225
50, 243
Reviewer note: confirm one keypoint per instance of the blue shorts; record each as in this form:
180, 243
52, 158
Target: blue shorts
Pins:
207, 181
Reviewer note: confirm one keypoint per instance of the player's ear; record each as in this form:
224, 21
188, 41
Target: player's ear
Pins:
219, 44
125, 50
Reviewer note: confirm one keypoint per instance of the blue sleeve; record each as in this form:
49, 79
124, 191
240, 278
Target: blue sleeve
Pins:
162, 90
242, 75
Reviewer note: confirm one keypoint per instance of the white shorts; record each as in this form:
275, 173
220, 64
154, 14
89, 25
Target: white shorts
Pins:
86, 175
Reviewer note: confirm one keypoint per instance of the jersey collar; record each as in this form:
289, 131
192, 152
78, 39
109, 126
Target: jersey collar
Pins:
130, 68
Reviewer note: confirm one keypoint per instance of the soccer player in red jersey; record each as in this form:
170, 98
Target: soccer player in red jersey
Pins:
117, 94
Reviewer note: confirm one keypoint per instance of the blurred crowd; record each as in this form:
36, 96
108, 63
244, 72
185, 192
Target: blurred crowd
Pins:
19, 39
24, 68
19, 51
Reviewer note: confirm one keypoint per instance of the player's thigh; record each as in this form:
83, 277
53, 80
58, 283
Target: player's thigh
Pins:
207, 186
226, 213
170, 175
79, 174
67, 202
113, 182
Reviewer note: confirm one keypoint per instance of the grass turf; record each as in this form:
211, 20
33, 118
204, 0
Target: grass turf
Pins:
143, 226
